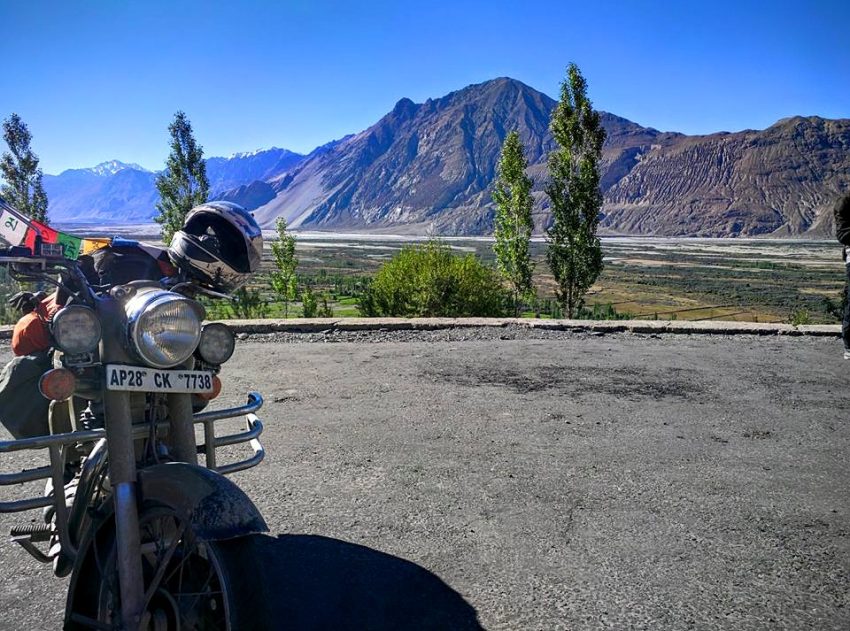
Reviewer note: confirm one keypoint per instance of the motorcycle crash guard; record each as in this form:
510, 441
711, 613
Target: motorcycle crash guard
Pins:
218, 508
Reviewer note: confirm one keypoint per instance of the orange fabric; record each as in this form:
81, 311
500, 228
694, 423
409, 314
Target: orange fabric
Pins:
167, 268
31, 334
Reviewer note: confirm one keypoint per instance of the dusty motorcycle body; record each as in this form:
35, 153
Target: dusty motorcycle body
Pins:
152, 539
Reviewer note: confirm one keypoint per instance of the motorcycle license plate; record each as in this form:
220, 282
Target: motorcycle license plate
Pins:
138, 379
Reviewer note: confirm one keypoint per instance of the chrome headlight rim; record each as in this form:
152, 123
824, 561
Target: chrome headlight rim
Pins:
224, 334
143, 306
66, 324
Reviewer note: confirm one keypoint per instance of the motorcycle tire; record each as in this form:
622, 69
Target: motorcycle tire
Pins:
203, 586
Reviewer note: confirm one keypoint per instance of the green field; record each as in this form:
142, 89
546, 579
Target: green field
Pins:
689, 279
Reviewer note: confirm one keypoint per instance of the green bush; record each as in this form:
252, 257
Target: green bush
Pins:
799, 317
604, 312
248, 304
429, 281
308, 303
324, 309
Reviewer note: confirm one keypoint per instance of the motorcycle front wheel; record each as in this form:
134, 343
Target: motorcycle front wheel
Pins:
190, 584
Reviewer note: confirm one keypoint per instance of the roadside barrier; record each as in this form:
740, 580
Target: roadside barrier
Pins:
711, 327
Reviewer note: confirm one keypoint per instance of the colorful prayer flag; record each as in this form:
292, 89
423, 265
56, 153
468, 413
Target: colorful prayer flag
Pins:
48, 235
12, 229
17, 229
70, 244
92, 244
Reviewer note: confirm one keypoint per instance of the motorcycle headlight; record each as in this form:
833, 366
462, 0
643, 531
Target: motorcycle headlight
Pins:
164, 327
217, 343
76, 329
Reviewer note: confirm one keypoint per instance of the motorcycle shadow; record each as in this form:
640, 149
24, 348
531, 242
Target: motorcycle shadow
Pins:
315, 582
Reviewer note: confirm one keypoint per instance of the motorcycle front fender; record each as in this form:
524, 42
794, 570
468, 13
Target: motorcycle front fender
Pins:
216, 507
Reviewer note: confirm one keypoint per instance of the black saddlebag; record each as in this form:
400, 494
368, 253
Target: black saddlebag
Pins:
23, 409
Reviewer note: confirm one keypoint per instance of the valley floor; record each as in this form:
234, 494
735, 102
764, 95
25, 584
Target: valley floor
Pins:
752, 280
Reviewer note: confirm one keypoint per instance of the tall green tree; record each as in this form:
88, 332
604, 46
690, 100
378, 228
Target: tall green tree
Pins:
183, 185
574, 252
283, 278
513, 199
19, 166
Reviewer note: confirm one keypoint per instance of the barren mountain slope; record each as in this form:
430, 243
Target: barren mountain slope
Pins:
781, 181
425, 164
431, 166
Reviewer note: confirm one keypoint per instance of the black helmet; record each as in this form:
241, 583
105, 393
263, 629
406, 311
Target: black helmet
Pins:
220, 245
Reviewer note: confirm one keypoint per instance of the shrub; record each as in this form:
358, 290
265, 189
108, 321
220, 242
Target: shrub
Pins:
799, 317
325, 310
248, 304
833, 309
429, 281
604, 312
308, 303
216, 309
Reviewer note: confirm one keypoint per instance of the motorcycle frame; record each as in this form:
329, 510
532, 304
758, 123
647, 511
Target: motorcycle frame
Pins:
121, 436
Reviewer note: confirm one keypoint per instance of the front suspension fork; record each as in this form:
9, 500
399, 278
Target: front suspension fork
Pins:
122, 475
181, 430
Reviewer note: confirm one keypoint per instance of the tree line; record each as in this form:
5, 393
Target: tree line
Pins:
425, 280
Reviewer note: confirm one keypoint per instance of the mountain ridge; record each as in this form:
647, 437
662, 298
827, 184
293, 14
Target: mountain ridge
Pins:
125, 192
429, 167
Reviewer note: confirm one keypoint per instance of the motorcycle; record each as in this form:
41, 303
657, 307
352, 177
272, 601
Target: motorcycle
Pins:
151, 538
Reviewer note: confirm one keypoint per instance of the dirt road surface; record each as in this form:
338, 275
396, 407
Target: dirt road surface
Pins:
515, 479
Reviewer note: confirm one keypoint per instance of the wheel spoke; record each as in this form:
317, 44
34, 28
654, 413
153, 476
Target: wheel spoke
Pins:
163, 564
182, 562
174, 560
196, 595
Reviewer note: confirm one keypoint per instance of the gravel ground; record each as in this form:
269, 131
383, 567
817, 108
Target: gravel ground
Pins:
514, 478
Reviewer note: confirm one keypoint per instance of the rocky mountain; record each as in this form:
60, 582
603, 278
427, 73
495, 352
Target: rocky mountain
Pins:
422, 166
103, 193
429, 167
243, 168
781, 181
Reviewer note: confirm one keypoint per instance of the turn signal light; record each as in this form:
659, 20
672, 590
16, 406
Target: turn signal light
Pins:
58, 384
209, 396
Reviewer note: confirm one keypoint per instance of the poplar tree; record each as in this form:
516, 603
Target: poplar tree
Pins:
19, 166
283, 279
513, 199
183, 185
574, 251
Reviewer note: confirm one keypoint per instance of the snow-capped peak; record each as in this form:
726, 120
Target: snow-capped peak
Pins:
255, 152
113, 166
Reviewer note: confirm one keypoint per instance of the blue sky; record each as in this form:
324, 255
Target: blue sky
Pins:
102, 80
